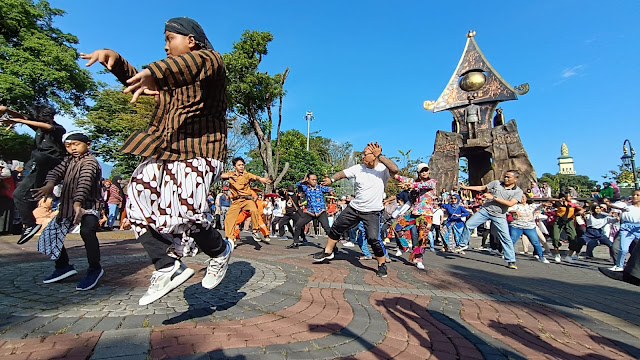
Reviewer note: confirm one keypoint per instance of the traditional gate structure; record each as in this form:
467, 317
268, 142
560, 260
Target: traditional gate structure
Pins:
490, 145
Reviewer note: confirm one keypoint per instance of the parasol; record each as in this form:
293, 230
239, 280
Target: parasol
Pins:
273, 195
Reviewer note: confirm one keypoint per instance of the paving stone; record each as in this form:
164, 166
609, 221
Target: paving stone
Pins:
83, 325
108, 323
27, 327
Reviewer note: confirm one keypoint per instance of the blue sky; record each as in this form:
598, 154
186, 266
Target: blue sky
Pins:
365, 67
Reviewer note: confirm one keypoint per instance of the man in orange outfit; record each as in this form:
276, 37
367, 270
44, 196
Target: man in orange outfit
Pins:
243, 199
244, 215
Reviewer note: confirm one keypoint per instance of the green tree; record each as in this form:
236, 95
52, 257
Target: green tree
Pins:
111, 120
14, 146
562, 182
621, 176
38, 60
253, 94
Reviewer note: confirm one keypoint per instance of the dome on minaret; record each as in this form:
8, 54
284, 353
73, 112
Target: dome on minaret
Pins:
565, 162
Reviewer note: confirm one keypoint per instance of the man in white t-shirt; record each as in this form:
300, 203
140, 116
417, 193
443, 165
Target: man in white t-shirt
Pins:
370, 179
435, 234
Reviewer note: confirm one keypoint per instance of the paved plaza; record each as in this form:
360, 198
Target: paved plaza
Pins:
275, 303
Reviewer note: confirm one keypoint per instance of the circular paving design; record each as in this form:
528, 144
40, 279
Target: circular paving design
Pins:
22, 292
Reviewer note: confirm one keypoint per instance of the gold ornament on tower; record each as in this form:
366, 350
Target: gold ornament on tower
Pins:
473, 80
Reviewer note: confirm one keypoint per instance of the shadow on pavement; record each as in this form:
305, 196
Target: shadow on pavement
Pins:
204, 302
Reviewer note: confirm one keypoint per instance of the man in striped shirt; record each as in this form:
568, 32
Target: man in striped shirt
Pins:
182, 149
80, 175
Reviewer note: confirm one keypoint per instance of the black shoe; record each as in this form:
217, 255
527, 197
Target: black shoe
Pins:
615, 275
320, 256
382, 270
293, 246
28, 233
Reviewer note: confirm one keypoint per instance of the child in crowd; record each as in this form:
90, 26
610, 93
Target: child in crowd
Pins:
80, 202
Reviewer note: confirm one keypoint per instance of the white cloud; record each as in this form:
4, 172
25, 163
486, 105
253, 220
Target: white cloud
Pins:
572, 71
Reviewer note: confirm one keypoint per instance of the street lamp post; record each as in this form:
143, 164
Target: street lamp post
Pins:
308, 117
629, 161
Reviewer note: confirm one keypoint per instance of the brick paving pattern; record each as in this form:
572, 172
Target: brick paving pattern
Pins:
275, 303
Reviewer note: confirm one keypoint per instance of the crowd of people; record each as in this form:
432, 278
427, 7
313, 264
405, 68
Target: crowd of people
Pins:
167, 204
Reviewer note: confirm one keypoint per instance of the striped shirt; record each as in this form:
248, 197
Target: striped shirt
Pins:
189, 117
81, 182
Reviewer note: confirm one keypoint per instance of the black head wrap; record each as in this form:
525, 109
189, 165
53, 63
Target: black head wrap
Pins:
76, 135
186, 26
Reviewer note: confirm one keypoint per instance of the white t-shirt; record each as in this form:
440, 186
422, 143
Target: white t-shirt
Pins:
631, 213
369, 186
437, 217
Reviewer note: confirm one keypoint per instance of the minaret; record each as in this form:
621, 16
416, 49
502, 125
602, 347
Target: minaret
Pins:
565, 162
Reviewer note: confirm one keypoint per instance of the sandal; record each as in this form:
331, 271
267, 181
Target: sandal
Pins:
365, 258
387, 260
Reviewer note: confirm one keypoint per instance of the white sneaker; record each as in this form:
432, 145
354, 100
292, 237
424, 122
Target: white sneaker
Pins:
232, 242
536, 257
420, 265
616, 268
256, 236
398, 252
557, 258
568, 259
544, 260
164, 281
217, 268
574, 256
349, 244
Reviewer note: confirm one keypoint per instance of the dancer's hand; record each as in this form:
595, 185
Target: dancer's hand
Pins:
41, 192
141, 83
326, 181
376, 149
79, 212
105, 57
488, 196
265, 180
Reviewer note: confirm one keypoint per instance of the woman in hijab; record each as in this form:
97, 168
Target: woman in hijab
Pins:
454, 224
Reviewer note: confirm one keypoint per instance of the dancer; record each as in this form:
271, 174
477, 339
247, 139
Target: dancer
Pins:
500, 196
183, 150
291, 213
423, 189
80, 202
243, 199
629, 228
315, 208
524, 223
48, 153
454, 224
594, 236
370, 179
566, 211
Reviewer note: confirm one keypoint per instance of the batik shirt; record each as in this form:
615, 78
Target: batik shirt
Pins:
81, 182
315, 201
424, 203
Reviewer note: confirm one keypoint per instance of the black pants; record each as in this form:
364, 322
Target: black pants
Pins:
284, 221
209, 241
88, 229
632, 269
350, 217
438, 234
304, 220
22, 196
494, 240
